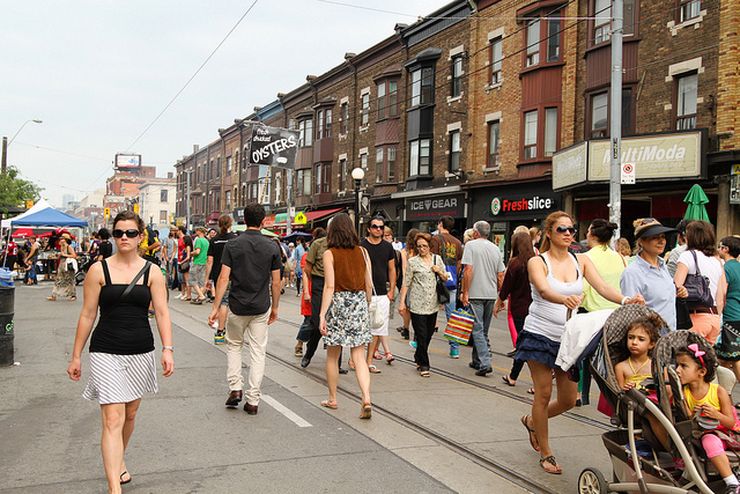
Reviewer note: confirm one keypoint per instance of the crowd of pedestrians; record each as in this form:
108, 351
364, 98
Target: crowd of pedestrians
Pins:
349, 286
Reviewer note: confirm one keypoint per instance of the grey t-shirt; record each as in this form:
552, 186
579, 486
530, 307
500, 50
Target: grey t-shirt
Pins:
486, 259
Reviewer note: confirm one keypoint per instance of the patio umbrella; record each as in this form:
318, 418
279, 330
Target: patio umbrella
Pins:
696, 200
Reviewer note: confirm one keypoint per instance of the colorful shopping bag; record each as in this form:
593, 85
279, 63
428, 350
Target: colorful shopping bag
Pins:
459, 326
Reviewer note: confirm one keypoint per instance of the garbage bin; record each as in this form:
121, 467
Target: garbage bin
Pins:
7, 304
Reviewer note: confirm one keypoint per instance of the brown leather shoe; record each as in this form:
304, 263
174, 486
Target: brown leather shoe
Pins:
250, 409
233, 400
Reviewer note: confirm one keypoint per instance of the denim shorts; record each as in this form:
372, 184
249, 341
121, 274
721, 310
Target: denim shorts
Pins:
536, 348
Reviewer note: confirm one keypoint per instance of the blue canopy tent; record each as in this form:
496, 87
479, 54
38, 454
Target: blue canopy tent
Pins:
49, 217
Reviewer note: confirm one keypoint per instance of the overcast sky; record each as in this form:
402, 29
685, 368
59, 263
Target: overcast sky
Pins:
97, 72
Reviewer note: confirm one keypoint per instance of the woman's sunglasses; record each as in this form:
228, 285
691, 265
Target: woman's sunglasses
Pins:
129, 233
566, 229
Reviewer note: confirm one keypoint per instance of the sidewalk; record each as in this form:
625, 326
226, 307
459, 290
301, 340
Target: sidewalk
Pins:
186, 441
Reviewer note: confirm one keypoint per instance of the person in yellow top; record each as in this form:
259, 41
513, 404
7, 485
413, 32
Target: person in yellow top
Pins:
642, 335
149, 245
696, 368
609, 263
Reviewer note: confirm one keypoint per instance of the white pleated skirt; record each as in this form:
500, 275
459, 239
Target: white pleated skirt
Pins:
120, 378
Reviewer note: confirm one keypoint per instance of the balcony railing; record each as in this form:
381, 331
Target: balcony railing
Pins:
686, 122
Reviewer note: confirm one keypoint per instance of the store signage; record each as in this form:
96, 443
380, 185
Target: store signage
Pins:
569, 166
521, 205
273, 146
425, 208
653, 157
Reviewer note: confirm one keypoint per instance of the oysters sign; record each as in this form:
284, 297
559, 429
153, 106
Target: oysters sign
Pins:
273, 146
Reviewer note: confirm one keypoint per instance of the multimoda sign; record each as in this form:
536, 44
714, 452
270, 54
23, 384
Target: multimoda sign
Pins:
534, 204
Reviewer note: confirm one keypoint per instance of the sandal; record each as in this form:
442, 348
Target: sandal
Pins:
332, 405
530, 391
550, 466
424, 373
51, 299
509, 382
377, 356
125, 472
73, 299
366, 411
373, 369
389, 358
531, 433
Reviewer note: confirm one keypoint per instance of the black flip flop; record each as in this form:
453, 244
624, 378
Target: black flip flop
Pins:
125, 481
507, 381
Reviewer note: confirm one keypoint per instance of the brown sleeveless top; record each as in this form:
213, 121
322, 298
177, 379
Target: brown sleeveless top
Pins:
349, 269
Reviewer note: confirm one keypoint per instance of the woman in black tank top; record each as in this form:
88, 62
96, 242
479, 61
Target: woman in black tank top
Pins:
122, 365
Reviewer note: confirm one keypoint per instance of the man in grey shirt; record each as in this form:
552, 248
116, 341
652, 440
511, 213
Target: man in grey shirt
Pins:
672, 260
483, 273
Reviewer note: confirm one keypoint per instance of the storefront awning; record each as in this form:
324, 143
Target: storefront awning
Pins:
320, 214
279, 220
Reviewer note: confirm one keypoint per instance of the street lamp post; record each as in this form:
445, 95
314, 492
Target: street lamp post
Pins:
357, 175
6, 144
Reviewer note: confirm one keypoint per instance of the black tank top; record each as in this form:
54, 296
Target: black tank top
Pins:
123, 327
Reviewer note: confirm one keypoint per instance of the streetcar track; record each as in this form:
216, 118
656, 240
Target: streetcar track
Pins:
493, 389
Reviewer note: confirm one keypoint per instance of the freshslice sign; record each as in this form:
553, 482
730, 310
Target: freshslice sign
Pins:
536, 203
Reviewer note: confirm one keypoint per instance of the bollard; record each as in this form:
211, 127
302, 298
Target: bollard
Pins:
7, 304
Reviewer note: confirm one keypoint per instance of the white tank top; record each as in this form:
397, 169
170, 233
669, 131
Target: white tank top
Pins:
546, 318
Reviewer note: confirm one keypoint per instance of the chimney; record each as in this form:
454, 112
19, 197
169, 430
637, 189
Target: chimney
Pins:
196, 148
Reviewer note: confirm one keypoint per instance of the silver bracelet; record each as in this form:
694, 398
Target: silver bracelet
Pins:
170, 348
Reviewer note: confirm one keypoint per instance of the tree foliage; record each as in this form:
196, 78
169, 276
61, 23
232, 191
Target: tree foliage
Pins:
15, 191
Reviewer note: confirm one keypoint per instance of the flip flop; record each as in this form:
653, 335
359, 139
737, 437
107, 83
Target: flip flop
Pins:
332, 405
377, 356
389, 358
507, 380
373, 369
530, 391
531, 433
550, 465
366, 411
121, 478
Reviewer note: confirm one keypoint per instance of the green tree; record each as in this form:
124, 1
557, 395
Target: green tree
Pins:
15, 191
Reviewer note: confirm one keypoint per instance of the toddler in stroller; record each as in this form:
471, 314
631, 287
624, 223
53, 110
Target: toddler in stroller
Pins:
653, 448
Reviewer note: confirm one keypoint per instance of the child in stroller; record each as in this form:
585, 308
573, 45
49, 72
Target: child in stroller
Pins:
696, 368
642, 335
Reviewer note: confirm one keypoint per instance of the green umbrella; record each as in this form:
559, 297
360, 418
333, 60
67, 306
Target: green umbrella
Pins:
696, 200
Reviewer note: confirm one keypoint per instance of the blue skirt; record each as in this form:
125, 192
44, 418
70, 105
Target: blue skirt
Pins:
537, 348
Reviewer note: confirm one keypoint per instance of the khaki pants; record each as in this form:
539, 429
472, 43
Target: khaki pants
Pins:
254, 328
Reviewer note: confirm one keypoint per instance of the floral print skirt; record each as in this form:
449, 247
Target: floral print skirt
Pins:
347, 321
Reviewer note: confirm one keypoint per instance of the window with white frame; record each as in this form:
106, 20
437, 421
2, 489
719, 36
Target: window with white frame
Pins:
494, 133
228, 165
365, 111
553, 40
344, 111
381, 100
689, 9
363, 161
163, 216
686, 101
551, 131
599, 115
318, 178
379, 164
344, 175
455, 150
163, 195
530, 135
391, 162
533, 43
602, 21
420, 160
422, 86
327, 122
457, 69
305, 132
496, 55
228, 199
320, 124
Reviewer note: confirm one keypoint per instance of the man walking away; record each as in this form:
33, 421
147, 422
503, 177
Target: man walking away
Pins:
298, 257
315, 272
383, 262
450, 250
213, 268
198, 269
484, 273
251, 263
170, 254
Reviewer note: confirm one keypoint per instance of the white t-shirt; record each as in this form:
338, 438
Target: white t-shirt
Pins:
711, 267
486, 259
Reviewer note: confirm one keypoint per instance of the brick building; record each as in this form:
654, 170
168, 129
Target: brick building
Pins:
498, 110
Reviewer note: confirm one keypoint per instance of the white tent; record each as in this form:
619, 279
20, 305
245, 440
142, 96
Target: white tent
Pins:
39, 206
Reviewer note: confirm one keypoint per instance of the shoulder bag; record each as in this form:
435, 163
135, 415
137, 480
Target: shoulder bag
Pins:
697, 285
443, 293
451, 282
374, 315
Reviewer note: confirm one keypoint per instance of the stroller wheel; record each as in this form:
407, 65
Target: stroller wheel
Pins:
592, 481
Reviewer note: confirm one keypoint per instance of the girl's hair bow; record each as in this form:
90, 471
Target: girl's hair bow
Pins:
699, 354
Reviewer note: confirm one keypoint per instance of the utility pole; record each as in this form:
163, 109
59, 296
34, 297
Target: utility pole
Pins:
5, 155
615, 124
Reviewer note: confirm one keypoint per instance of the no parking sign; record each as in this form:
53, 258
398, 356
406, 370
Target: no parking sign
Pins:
628, 174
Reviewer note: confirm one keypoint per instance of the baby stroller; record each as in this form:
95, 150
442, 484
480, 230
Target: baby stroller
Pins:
640, 462
84, 262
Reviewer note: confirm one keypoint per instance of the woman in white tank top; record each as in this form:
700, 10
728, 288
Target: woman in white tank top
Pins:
556, 277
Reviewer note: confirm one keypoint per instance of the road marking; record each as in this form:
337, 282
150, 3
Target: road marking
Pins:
290, 414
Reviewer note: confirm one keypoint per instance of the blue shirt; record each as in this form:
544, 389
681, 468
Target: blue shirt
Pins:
656, 286
298, 255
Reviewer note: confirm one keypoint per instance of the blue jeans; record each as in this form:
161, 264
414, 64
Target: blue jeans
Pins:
304, 332
449, 309
31, 273
483, 312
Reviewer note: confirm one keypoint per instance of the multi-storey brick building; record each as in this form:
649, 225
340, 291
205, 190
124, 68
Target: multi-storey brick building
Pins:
481, 109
